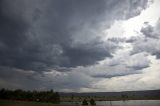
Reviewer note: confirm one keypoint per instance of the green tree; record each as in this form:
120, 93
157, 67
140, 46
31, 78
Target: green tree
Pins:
92, 102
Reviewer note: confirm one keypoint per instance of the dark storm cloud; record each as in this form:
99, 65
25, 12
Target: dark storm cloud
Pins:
87, 54
18, 79
31, 80
42, 35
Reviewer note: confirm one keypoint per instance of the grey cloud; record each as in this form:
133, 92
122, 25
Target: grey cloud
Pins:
132, 39
118, 40
114, 71
139, 7
148, 31
150, 40
16, 78
117, 75
138, 61
119, 65
138, 67
86, 54
42, 35
31, 80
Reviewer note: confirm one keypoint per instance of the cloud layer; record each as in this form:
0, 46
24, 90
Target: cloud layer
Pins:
54, 34
64, 45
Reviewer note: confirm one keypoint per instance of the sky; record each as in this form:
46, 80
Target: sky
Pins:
80, 45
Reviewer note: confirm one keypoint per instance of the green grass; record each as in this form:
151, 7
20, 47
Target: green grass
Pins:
68, 99
25, 103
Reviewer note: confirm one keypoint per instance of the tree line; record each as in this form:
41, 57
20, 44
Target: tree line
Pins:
38, 96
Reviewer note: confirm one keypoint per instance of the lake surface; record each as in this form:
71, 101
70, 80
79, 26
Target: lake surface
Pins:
122, 103
130, 103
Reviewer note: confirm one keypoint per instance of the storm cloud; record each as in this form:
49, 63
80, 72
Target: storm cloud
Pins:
64, 45
42, 35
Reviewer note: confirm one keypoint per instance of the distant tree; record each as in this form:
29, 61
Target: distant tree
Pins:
38, 96
72, 96
125, 97
57, 97
84, 102
92, 102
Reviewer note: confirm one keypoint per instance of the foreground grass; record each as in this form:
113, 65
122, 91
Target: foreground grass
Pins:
25, 103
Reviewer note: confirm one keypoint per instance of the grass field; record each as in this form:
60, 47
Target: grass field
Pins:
24, 103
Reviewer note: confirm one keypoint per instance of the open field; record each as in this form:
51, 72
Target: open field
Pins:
25, 103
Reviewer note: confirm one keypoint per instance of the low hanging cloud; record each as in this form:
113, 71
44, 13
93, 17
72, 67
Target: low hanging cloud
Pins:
119, 65
59, 81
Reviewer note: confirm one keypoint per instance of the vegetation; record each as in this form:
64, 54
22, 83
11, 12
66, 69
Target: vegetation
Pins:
54, 97
38, 96
84, 102
92, 102
27, 103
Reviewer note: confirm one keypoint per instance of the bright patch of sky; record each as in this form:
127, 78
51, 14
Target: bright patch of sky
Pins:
132, 26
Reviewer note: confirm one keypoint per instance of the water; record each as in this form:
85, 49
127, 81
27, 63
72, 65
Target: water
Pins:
130, 103
122, 103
